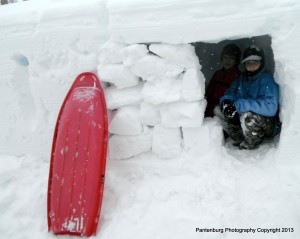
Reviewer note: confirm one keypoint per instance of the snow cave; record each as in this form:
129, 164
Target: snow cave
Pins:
154, 59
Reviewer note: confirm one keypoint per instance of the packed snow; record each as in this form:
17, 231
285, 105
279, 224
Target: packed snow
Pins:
170, 173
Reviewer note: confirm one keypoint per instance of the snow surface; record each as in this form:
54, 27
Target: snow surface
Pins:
169, 170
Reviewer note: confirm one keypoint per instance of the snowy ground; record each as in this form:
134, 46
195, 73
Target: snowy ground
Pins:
145, 196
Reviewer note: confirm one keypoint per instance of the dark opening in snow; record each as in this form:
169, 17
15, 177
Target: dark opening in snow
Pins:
209, 54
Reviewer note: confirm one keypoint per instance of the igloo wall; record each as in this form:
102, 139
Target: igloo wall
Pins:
57, 53
155, 93
212, 22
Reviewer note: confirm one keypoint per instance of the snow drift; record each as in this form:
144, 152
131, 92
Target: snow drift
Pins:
178, 174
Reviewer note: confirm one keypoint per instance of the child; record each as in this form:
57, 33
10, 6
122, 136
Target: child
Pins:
221, 80
249, 108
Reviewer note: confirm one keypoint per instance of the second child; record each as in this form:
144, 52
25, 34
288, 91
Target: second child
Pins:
222, 79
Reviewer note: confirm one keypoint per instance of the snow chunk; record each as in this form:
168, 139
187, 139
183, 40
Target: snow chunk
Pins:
110, 53
182, 55
166, 141
118, 75
149, 114
116, 98
126, 121
133, 53
123, 147
199, 141
163, 90
193, 85
183, 114
151, 67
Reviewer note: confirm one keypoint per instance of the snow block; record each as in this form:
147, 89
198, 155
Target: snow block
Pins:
117, 74
193, 85
149, 114
201, 140
182, 55
126, 121
151, 67
163, 90
133, 53
166, 141
110, 53
116, 98
123, 147
183, 114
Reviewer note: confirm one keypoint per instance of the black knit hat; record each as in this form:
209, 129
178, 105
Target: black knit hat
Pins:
254, 53
232, 50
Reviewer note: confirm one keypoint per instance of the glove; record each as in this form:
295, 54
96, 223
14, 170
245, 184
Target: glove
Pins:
225, 104
230, 111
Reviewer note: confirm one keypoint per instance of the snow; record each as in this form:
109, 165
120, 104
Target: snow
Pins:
126, 121
116, 98
166, 142
133, 53
118, 75
149, 114
150, 67
121, 146
110, 53
162, 90
193, 86
183, 57
169, 171
182, 114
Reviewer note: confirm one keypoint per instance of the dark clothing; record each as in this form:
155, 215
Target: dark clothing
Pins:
249, 129
220, 81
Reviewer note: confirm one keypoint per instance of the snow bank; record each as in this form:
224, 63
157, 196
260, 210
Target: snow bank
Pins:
174, 21
155, 90
58, 40
211, 138
166, 141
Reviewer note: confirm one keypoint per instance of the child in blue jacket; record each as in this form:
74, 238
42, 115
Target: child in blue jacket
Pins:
249, 107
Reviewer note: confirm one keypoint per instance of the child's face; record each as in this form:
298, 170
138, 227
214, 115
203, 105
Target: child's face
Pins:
228, 61
252, 65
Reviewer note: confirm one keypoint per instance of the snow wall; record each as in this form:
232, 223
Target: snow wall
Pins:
141, 50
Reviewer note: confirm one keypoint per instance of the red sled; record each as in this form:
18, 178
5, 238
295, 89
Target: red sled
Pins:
78, 160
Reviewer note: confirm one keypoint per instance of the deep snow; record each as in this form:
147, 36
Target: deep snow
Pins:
164, 192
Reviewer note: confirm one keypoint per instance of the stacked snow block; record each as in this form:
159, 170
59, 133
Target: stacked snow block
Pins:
153, 92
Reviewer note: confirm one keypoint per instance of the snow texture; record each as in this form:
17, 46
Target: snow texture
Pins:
176, 173
149, 114
118, 74
150, 67
121, 147
133, 53
126, 121
116, 98
166, 141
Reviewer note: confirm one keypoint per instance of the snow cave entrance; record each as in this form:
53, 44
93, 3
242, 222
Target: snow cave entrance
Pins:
209, 55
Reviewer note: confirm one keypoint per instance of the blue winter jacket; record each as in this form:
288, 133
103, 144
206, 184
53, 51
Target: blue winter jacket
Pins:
258, 94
